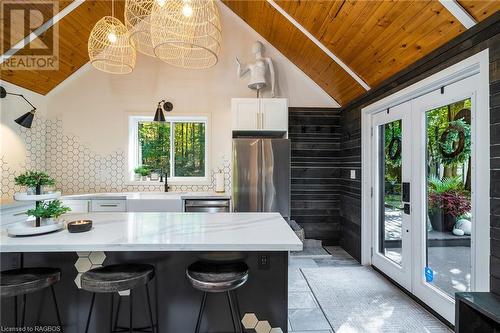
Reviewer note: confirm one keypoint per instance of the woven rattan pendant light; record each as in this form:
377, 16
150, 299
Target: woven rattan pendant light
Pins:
137, 21
110, 49
186, 33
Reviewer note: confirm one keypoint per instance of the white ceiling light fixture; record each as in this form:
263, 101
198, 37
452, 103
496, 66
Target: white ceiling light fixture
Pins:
186, 33
109, 47
137, 21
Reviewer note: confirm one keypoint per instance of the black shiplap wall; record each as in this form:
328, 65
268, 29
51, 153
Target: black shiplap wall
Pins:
315, 141
482, 36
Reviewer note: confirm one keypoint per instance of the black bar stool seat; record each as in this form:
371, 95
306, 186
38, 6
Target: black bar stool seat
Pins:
20, 281
219, 277
115, 278
28, 280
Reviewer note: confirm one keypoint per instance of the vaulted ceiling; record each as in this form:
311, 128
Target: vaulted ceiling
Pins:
353, 45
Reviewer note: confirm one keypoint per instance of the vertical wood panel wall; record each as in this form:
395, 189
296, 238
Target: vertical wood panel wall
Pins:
315, 170
484, 35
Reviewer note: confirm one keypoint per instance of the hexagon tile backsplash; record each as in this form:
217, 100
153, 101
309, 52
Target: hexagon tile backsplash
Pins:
77, 168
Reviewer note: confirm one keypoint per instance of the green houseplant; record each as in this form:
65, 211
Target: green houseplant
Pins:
34, 181
48, 210
143, 171
447, 201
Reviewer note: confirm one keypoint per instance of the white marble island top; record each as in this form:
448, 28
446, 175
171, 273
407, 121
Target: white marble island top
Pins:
165, 232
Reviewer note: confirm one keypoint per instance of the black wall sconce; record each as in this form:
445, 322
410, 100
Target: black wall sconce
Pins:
162, 105
26, 119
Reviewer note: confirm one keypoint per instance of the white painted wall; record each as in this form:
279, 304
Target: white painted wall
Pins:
93, 106
15, 153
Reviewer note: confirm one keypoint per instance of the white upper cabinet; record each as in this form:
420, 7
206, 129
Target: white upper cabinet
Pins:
245, 113
269, 114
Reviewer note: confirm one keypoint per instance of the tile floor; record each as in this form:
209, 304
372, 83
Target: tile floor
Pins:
304, 312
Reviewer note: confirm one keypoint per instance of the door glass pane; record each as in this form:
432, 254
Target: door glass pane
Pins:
448, 226
390, 205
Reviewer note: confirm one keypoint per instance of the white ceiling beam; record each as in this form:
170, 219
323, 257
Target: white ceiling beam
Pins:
40, 30
320, 45
459, 12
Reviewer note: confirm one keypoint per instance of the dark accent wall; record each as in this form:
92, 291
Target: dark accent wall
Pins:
483, 35
315, 142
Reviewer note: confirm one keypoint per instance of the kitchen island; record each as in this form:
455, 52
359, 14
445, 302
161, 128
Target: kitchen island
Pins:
170, 242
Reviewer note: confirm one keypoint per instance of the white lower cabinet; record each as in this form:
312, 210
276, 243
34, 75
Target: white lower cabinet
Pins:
77, 206
15, 214
108, 205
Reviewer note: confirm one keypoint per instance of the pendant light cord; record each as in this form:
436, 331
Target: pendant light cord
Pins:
113, 8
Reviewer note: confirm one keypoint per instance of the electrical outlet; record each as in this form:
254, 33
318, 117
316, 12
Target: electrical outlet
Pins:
353, 174
263, 261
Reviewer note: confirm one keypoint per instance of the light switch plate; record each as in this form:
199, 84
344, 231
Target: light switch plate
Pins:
353, 174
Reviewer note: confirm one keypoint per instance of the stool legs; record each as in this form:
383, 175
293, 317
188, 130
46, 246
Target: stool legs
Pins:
90, 313
55, 304
150, 311
23, 308
200, 314
130, 314
233, 308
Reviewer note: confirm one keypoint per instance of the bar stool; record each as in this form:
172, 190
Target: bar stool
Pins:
24, 281
217, 277
114, 278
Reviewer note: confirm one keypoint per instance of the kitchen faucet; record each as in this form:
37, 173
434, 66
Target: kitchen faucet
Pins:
166, 183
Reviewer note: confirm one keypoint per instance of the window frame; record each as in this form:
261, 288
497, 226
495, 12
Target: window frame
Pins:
134, 151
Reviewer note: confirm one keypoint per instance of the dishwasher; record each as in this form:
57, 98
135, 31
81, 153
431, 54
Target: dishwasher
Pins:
206, 206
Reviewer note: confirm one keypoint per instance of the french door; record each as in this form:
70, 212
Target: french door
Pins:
427, 213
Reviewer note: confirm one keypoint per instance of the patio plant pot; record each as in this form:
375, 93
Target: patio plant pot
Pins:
440, 221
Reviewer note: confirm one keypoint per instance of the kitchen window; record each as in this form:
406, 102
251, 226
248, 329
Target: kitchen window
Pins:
177, 147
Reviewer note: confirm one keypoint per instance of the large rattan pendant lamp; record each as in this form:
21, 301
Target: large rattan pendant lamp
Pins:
109, 46
137, 21
186, 33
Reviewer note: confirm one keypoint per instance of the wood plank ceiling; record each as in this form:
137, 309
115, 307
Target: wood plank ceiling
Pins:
375, 39
74, 31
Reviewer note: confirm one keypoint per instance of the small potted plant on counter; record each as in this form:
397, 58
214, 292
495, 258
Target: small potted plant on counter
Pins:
144, 172
34, 181
137, 173
48, 211
447, 201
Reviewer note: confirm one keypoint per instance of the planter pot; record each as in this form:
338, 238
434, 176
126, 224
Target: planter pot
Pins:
440, 221
154, 176
49, 220
35, 190
137, 177
144, 178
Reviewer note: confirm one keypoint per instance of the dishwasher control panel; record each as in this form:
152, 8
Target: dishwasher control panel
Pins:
207, 205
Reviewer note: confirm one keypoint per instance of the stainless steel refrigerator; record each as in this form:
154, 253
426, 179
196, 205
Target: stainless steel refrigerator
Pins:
261, 175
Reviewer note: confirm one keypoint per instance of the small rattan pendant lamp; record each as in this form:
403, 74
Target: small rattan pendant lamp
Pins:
137, 21
109, 46
186, 33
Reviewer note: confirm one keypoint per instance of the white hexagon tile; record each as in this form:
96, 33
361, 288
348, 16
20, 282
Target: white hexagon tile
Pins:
77, 168
252, 324
86, 261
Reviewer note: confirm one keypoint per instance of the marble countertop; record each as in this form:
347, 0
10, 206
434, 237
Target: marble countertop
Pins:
147, 195
165, 232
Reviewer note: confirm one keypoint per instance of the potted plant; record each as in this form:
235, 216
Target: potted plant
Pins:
144, 172
447, 201
137, 173
48, 211
34, 181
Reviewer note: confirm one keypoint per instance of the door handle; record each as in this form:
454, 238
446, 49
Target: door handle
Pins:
406, 192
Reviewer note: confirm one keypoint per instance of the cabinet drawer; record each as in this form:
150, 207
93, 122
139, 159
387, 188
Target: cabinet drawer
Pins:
108, 206
14, 215
77, 206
